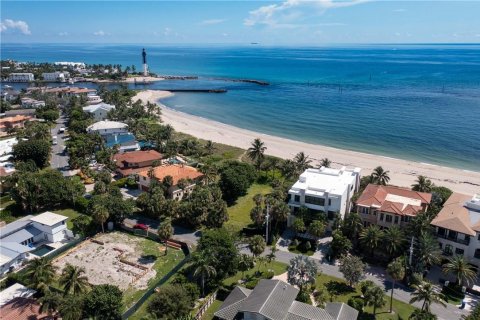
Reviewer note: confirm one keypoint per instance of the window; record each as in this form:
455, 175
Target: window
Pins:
63, 222
365, 210
459, 251
448, 249
396, 219
479, 236
477, 254
315, 200
329, 202
297, 198
388, 218
441, 231
381, 217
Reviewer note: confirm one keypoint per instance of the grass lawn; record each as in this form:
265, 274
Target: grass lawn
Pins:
239, 213
9, 211
303, 251
343, 293
70, 213
277, 267
213, 308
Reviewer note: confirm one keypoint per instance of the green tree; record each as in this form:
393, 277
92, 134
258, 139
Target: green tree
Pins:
257, 214
463, 271
235, 179
245, 263
279, 212
257, 245
422, 315
73, 280
375, 298
171, 302
205, 206
396, 270
301, 272
256, 152
40, 273
325, 162
37, 150
364, 286
340, 245
103, 302
427, 292
380, 176
422, 184
82, 225
100, 215
352, 226
370, 238
317, 228
352, 268
209, 146
394, 241
427, 252
71, 307
299, 225
165, 232
203, 269
50, 303
302, 162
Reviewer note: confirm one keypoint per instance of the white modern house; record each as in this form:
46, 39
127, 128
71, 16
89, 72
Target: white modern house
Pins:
94, 99
457, 227
21, 77
99, 111
106, 127
32, 103
30, 237
325, 190
60, 76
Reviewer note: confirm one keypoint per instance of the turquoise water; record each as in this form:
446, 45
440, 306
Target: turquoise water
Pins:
413, 102
42, 250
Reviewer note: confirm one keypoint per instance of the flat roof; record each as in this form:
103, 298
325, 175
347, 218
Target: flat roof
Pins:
15, 291
319, 181
49, 218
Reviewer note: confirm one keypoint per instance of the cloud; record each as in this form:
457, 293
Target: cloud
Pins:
19, 25
100, 33
167, 31
63, 34
275, 15
211, 21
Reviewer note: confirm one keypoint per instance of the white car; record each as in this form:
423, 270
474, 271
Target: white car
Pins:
54, 140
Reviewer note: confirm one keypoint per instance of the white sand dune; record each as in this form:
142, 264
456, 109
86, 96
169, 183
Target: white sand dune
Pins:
402, 172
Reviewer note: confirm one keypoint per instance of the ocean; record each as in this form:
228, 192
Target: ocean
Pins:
414, 102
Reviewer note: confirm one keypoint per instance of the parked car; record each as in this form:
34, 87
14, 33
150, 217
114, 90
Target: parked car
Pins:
140, 226
61, 130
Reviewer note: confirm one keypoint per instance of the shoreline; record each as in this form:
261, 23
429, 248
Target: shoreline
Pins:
402, 172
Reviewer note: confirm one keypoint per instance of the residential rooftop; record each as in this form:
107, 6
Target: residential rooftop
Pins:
317, 182
49, 218
176, 171
460, 213
392, 199
136, 157
94, 107
107, 124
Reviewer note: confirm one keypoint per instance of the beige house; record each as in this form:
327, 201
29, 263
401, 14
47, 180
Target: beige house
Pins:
457, 227
388, 206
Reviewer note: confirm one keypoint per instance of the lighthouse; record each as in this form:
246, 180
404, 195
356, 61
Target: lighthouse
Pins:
145, 67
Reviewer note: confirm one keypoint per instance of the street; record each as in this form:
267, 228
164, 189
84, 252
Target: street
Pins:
59, 159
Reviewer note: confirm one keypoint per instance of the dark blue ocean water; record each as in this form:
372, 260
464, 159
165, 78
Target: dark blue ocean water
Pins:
417, 102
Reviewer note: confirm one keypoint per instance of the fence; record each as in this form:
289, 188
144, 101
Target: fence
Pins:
206, 305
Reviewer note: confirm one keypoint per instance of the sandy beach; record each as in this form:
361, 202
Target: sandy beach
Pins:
402, 172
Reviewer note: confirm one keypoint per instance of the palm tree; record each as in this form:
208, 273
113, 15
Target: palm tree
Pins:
302, 162
50, 303
379, 176
209, 146
71, 307
73, 280
375, 297
462, 270
423, 184
165, 231
352, 226
100, 215
289, 169
256, 152
428, 253
370, 237
427, 292
325, 162
394, 241
422, 315
40, 273
210, 173
203, 269
245, 262
396, 270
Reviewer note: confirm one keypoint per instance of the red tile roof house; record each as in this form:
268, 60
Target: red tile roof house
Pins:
22, 309
388, 206
130, 163
177, 172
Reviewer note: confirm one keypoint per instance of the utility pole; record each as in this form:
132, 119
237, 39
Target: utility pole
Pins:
266, 222
411, 253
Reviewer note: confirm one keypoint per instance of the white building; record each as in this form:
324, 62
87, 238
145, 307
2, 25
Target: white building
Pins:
325, 190
32, 103
80, 65
15, 291
99, 111
94, 99
457, 227
21, 239
106, 127
21, 77
60, 76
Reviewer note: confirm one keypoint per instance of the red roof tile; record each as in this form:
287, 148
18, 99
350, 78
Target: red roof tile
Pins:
21, 309
176, 171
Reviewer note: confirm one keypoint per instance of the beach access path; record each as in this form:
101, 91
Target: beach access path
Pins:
402, 172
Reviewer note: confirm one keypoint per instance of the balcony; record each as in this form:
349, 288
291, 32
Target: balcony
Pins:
454, 239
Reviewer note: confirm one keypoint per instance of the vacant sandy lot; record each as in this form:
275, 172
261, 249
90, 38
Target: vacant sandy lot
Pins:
102, 262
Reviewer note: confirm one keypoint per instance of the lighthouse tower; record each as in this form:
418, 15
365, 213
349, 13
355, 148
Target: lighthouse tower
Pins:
145, 66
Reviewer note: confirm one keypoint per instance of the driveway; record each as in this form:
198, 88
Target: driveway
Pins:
59, 158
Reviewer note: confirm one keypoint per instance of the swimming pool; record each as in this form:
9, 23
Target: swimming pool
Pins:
42, 250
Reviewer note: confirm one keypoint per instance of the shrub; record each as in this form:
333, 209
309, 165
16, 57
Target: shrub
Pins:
251, 284
81, 204
308, 245
269, 274
295, 243
356, 303
304, 297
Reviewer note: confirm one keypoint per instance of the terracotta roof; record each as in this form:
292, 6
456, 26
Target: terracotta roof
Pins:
455, 216
16, 118
176, 171
21, 309
136, 156
393, 199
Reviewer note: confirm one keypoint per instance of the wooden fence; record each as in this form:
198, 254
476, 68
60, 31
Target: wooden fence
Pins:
206, 305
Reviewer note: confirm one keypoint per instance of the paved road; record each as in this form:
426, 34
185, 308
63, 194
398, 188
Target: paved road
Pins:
377, 275
59, 159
